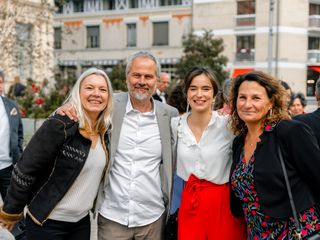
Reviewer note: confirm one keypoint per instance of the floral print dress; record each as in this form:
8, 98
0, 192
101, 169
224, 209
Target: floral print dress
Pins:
261, 226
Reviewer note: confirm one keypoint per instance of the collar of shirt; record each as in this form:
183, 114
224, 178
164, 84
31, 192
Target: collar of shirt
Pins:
129, 108
160, 93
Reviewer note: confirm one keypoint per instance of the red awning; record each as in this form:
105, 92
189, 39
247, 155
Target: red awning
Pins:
315, 68
239, 71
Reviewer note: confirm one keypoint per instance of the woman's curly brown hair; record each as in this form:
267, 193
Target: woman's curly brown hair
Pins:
275, 92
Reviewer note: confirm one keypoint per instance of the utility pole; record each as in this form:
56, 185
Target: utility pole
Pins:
270, 37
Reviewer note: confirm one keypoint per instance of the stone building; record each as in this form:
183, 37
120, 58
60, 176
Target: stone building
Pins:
277, 36
26, 39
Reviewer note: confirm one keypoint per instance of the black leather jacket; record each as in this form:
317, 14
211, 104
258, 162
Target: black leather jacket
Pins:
48, 167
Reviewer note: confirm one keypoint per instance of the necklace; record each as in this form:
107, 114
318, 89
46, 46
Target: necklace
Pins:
251, 144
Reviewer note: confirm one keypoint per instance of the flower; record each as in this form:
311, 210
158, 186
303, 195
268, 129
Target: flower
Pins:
34, 88
38, 101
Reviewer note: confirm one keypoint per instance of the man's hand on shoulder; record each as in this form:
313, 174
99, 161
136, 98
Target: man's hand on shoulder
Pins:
69, 110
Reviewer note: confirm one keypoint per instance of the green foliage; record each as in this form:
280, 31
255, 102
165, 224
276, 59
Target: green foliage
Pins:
37, 104
203, 51
33, 110
118, 77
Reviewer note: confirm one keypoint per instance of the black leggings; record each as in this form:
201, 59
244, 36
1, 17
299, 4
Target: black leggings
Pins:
58, 230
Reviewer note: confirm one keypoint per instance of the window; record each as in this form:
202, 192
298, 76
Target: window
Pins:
108, 4
314, 43
131, 35
57, 37
246, 7
245, 43
170, 2
160, 33
78, 5
133, 4
93, 37
59, 8
314, 9
24, 49
245, 48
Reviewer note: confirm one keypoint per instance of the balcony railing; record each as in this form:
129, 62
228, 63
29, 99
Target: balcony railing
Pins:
246, 20
314, 56
70, 7
244, 56
314, 21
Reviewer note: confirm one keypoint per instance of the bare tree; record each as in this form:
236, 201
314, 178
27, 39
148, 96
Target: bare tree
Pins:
26, 38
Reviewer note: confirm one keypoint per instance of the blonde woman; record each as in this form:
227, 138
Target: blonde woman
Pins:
59, 173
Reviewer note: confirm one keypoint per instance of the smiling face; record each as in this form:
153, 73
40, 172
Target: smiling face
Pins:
164, 82
200, 94
142, 79
253, 103
296, 107
94, 95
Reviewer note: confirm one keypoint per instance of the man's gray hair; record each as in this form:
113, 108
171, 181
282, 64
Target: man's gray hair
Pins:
145, 54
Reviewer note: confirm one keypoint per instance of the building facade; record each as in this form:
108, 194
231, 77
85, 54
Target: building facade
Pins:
277, 36
26, 39
102, 33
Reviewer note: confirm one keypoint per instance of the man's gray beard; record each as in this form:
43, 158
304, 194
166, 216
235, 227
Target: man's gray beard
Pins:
140, 97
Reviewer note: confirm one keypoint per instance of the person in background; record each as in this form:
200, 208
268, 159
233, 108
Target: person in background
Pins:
177, 98
17, 89
261, 123
59, 173
297, 104
203, 162
11, 135
288, 91
45, 89
162, 86
137, 194
221, 102
313, 119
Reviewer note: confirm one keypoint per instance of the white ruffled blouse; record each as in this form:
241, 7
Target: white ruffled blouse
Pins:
208, 159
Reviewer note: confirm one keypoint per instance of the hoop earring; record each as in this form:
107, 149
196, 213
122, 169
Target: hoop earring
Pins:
270, 113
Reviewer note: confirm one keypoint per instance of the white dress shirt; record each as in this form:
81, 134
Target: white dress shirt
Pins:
210, 158
133, 196
5, 159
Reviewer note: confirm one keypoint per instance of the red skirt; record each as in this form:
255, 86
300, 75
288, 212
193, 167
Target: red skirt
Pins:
205, 213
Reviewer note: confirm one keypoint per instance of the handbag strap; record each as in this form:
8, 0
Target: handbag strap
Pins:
284, 170
293, 207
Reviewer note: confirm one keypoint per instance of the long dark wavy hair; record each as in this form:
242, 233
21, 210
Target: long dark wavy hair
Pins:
275, 92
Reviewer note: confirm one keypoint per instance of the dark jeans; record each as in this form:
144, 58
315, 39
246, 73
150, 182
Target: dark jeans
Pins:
58, 230
5, 176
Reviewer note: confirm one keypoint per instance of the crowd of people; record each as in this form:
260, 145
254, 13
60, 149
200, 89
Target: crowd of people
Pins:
240, 162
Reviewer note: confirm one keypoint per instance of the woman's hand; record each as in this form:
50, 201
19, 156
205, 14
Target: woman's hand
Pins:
7, 224
8, 220
69, 110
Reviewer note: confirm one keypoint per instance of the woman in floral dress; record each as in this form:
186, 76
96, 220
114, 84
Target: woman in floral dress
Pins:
261, 124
